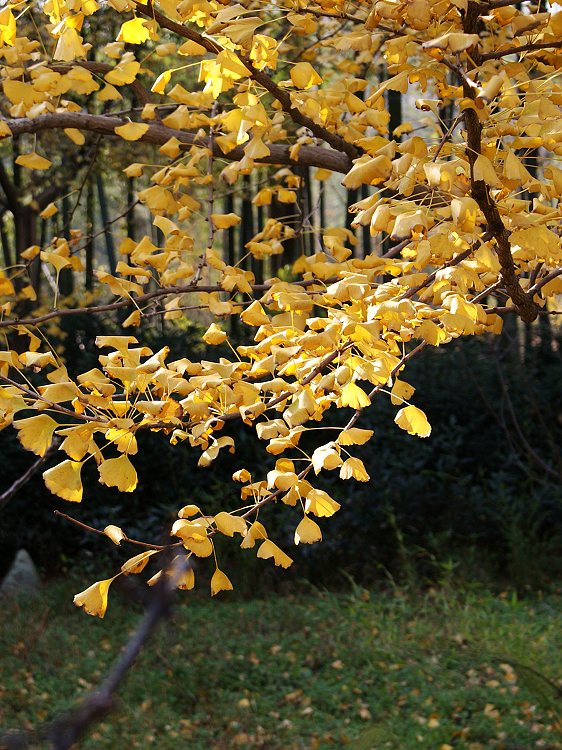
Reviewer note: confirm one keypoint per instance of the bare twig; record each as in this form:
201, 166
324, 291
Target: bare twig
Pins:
446, 135
7, 495
531, 47
93, 530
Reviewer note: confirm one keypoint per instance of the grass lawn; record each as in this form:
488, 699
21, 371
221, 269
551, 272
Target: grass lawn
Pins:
436, 671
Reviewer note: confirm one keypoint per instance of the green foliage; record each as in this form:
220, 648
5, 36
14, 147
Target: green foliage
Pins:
390, 671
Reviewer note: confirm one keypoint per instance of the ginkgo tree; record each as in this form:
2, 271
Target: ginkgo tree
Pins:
463, 215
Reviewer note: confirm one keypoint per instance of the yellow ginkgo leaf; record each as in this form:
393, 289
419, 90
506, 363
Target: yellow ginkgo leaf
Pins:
354, 436
220, 582
137, 563
49, 210
321, 504
354, 396
254, 315
304, 76
108, 93
134, 319
242, 475
254, 533
118, 472
75, 135
134, 32
401, 391
123, 74
225, 221
123, 440
188, 510
36, 433
171, 148
414, 421
69, 46
455, 42
33, 161
194, 536
190, 48
64, 480
229, 524
132, 131
353, 468
367, 171
269, 549
116, 534
484, 170
308, 532
214, 335
159, 85
94, 599
326, 457
7, 27
186, 580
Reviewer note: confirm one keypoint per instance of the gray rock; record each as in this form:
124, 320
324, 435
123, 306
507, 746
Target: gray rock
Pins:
22, 577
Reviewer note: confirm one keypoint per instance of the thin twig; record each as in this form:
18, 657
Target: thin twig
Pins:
7, 495
446, 135
531, 47
37, 397
93, 530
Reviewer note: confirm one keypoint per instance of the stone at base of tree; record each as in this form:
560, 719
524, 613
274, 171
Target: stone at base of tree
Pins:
22, 578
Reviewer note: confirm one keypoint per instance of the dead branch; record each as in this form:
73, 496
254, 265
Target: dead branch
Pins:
66, 730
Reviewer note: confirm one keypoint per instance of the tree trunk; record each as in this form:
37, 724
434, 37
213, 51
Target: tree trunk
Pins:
109, 244
6, 246
66, 276
90, 229
131, 223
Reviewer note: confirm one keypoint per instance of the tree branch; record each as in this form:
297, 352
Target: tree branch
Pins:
93, 530
523, 301
66, 730
7, 495
158, 134
531, 47
544, 280
140, 300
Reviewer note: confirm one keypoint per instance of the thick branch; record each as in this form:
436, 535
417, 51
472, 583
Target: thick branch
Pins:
523, 301
158, 134
544, 280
